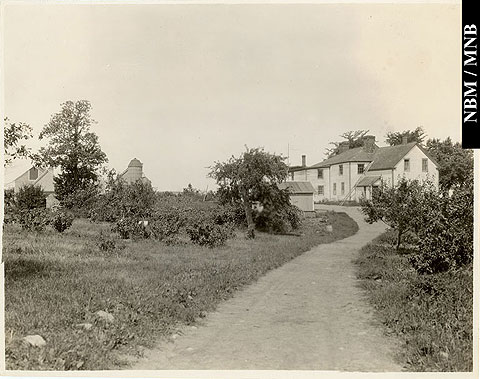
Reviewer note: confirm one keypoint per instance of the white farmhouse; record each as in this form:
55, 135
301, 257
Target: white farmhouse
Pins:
354, 173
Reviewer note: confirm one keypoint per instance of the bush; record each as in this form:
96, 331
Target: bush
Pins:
280, 220
446, 240
207, 233
130, 227
30, 197
166, 225
33, 219
61, 220
107, 243
122, 200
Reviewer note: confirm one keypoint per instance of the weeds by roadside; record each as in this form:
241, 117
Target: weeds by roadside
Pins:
431, 314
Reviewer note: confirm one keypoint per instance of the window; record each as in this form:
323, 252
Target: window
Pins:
342, 188
334, 188
33, 174
406, 165
424, 165
292, 175
320, 173
360, 168
340, 169
320, 190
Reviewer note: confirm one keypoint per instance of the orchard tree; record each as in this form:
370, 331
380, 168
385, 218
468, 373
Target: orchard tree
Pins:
14, 135
73, 148
396, 138
253, 176
455, 163
354, 139
400, 207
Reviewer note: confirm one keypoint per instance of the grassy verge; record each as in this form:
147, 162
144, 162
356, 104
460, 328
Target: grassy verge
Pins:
431, 314
54, 282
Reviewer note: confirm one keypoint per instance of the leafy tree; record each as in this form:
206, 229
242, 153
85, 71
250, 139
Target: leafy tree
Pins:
253, 176
72, 147
396, 138
14, 133
30, 197
354, 139
446, 233
455, 163
399, 207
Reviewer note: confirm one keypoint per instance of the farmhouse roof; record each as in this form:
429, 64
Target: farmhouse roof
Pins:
298, 187
383, 158
357, 154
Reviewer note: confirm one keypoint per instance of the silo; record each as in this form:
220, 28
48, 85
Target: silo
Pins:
134, 171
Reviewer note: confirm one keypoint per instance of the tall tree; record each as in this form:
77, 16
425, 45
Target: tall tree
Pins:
14, 134
455, 163
396, 138
253, 176
354, 139
72, 147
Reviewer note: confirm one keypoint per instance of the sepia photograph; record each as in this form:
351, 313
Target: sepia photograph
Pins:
236, 186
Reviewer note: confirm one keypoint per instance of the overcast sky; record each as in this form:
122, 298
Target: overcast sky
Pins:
182, 86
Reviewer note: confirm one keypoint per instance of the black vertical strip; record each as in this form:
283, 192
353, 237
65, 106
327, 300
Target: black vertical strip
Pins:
470, 131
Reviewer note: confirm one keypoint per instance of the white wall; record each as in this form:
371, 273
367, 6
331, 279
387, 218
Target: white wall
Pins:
415, 156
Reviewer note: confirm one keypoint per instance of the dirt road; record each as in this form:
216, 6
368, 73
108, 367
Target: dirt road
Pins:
306, 315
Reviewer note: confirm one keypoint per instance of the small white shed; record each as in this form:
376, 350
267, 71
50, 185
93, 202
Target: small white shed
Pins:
301, 194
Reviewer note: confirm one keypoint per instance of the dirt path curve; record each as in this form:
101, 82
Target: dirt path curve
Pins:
308, 314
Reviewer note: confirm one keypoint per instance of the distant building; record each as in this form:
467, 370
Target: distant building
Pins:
38, 177
301, 194
354, 173
134, 172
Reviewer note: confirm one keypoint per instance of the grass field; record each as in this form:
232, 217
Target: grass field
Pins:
55, 281
431, 314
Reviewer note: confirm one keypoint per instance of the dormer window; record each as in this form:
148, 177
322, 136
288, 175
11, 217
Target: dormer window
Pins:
33, 174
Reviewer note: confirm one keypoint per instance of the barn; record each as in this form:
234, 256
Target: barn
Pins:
301, 194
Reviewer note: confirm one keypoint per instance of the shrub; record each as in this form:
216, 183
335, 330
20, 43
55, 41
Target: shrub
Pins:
279, 220
130, 227
165, 225
33, 219
122, 200
207, 233
446, 240
106, 243
61, 220
30, 197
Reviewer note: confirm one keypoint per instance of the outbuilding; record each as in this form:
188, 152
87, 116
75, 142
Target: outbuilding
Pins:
301, 194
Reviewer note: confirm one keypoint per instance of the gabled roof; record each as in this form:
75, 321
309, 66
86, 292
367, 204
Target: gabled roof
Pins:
357, 154
388, 157
297, 187
383, 158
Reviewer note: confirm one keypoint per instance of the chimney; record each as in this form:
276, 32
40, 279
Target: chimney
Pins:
343, 146
369, 143
404, 140
304, 161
